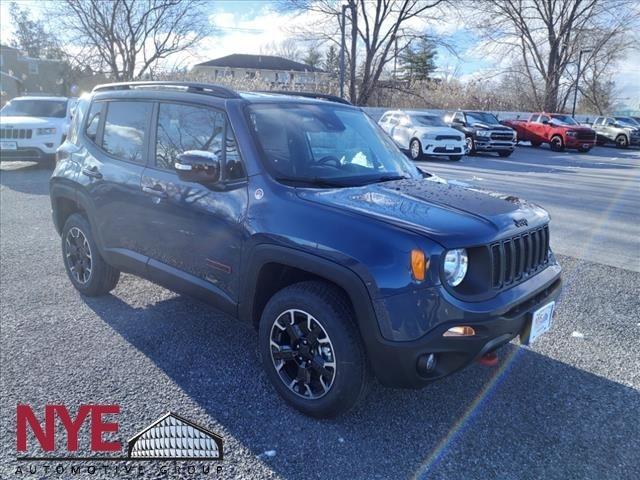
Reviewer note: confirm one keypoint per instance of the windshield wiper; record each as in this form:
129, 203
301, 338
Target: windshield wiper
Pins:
387, 178
314, 181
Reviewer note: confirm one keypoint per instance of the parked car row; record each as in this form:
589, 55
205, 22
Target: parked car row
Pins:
462, 132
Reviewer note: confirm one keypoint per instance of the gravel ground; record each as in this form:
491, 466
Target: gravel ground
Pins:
565, 408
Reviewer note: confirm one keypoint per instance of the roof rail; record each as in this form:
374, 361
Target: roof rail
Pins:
191, 87
318, 96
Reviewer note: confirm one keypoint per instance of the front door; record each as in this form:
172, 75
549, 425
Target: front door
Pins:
194, 232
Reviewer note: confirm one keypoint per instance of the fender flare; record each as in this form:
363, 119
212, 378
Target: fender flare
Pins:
263, 254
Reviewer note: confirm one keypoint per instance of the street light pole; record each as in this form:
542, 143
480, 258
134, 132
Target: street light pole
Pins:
575, 92
343, 46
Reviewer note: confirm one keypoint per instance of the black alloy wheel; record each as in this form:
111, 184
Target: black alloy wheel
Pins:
78, 255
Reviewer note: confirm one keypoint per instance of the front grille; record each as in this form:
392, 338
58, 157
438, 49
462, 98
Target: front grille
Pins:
448, 137
16, 133
586, 136
501, 136
516, 258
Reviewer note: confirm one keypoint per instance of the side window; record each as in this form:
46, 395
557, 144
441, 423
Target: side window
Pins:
188, 127
535, 118
385, 118
393, 120
458, 116
93, 121
610, 121
544, 118
125, 130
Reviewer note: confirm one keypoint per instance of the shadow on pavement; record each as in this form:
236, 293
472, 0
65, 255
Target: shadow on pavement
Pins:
25, 177
532, 417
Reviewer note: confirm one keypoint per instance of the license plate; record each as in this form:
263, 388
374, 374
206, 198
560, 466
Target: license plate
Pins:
450, 147
540, 323
4, 145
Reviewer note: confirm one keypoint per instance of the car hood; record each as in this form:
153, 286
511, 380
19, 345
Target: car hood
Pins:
20, 121
453, 215
423, 130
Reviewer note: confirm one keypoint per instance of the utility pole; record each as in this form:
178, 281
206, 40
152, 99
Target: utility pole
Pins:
343, 46
575, 92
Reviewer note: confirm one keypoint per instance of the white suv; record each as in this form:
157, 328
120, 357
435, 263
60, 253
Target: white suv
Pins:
32, 128
421, 133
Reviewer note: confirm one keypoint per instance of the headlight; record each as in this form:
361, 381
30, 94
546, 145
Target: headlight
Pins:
571, 133
455, 266
483, 133
45, 131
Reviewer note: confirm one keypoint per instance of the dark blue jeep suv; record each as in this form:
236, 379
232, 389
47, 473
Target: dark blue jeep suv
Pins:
300, 216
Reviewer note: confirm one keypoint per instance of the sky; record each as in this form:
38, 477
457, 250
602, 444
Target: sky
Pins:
250, 26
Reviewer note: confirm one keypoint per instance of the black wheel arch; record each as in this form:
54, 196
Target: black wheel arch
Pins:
266, 261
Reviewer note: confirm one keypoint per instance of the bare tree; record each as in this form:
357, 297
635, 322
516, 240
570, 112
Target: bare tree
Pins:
289, 48
545, 37
128, 38
376, 26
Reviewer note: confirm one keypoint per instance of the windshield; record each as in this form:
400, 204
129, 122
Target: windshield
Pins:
35, 108
428, 121
627, 121
326, 145
563, 120
481, 117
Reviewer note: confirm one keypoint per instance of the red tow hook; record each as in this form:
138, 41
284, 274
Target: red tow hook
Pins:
489, 359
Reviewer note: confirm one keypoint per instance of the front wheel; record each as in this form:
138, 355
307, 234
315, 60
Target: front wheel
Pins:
556, 143
415, 149
621, 141
311, 350
471, 146
86, 269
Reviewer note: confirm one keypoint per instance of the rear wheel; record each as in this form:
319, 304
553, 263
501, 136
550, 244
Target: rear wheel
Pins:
86, 269
621, 141
311, 349
415, 149
557, 145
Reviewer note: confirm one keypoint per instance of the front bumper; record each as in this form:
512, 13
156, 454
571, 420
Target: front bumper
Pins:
443, 147
395, 363
31, 154
573, 142
37, 148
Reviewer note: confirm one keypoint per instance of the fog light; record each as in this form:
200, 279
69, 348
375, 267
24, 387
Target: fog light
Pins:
426, 363
459, 331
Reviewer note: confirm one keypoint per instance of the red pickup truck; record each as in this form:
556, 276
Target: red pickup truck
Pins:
560, 131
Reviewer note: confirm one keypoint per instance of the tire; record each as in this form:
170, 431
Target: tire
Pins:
340, 387
455, 158
622, 141
505, 154
471, 146
415, 149
556, 143
77, 240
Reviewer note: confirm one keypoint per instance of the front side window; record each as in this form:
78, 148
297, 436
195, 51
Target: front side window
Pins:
125, 129
184, 127
35, 108
327, 143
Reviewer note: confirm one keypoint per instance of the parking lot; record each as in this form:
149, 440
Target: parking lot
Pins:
565, 408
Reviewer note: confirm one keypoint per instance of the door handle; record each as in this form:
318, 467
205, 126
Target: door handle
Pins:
92, 172
156, 190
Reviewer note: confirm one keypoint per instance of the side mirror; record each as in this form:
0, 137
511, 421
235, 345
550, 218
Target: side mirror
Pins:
458, 121
198, 166
545, 122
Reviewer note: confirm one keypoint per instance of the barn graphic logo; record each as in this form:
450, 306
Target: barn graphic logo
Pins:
176, 438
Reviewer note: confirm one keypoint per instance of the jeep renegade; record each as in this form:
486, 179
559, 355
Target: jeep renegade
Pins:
302, 217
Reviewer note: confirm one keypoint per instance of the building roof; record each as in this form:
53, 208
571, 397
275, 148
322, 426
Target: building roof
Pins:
259, 62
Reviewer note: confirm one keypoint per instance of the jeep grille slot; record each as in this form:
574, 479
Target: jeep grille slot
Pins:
17, 133
516, 258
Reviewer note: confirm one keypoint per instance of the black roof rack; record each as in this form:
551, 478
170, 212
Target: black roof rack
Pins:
318, 96
203, 88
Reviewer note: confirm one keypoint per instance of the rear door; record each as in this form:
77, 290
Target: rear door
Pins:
194, 233
116, 136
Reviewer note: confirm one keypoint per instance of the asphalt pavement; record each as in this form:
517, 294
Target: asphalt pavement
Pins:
565, 408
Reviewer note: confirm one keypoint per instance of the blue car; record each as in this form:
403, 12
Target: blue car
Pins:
300, 216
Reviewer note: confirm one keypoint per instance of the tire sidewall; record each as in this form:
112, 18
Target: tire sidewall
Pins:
419, 156
349, 362
624, 143
79, 222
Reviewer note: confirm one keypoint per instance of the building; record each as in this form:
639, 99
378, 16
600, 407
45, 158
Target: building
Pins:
274, 70
20, 75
